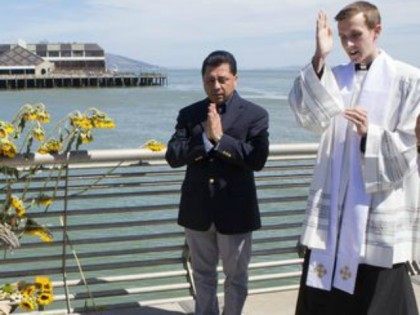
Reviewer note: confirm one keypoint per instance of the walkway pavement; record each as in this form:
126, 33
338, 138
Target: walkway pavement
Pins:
281, 303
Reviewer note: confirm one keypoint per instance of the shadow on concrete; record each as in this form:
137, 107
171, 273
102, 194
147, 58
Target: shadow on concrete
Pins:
136, 309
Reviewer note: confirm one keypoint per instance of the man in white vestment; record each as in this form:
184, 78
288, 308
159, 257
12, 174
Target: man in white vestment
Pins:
362, 220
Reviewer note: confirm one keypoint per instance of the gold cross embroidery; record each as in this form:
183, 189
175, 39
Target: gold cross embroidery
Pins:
345, 273
320, 270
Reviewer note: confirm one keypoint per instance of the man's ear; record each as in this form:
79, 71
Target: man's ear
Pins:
377, 29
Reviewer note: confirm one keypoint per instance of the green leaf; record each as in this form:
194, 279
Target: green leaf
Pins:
29, 145
9, 171
69, 144
8, 288
21, 125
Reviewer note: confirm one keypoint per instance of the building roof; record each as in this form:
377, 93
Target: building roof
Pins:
92, 46
43, 47
19, 56
66, 46
4, 48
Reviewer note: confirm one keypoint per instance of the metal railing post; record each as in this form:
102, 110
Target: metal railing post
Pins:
64, 249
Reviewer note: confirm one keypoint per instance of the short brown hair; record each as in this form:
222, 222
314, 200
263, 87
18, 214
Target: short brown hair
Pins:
369, 10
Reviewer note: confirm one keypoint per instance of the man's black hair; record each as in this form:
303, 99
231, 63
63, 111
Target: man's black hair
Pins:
218, 57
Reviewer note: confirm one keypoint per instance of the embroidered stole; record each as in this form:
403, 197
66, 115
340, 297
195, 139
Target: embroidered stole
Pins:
337, 265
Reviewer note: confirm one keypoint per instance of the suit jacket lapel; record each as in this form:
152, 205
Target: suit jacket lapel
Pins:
203, 113
233, 110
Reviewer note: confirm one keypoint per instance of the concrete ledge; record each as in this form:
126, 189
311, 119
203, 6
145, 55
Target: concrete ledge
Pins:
257, 304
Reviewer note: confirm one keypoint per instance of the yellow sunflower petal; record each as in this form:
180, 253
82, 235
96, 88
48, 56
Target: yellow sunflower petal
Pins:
43, 117
45, 299
154, 145
40, 232
85, 137
3, 132
29, 290
44, 200
52, 146
38, 134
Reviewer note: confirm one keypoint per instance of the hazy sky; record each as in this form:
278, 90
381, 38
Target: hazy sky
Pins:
180, 33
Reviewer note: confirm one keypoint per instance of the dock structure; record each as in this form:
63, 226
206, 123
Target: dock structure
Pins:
95, 80
77, 65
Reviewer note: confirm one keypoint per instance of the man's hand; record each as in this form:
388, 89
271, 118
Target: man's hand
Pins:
358, 116
213, 129
324, 41
418, 130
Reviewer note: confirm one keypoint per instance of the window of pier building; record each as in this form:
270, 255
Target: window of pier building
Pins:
94, 53
54, 53
41, 50
80, 65
78, 53
66, 53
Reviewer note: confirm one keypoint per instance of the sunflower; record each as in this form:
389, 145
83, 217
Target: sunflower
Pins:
81, 121
9, 127
101, 121
44, 200
85, 137
6, 129
52, 146
44, 298
28, 303
43, 116
18, 205
38, 134
154, 145
7, 148
41, 232
20, 212
30, 114
16, 202
29, 290
44, 283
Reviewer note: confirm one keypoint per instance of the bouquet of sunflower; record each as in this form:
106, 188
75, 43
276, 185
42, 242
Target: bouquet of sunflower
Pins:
24, 135
26, 296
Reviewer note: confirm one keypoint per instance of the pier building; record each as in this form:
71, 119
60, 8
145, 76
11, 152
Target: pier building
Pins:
56, 65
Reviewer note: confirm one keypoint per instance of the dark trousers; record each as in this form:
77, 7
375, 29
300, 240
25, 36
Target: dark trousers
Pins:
379, 291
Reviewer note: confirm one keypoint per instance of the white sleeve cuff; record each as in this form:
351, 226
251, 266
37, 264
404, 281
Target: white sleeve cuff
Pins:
207, 144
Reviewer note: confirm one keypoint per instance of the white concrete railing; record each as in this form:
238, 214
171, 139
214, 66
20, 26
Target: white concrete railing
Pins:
277, 151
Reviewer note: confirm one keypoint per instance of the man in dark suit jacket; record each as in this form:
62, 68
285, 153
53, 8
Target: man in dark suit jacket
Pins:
222, 140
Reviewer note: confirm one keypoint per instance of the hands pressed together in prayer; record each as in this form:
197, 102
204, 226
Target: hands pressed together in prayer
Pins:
358, 116
213, 125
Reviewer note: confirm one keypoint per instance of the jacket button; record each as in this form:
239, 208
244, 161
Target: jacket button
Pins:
211, 180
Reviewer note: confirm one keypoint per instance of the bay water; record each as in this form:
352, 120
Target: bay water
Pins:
144, 113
